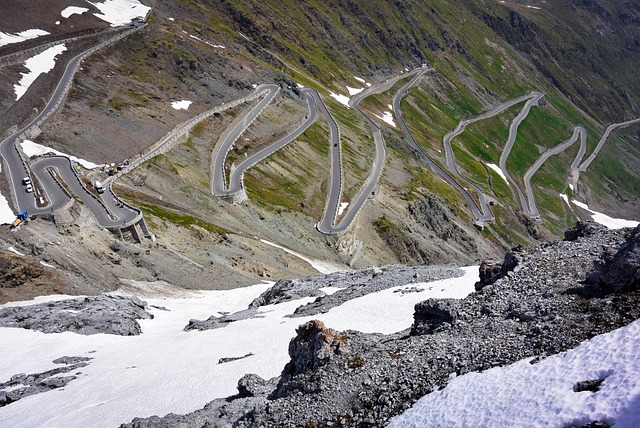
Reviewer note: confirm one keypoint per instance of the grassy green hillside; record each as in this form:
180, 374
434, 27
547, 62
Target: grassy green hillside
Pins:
581, 55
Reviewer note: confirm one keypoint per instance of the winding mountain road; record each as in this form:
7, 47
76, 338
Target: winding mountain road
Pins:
228, 139
513, 133
109, 212
59, 182
419, 153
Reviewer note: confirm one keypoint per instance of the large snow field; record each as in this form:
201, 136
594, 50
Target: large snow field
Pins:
120, 12
37, 65
542, 394
7, 38
166, 369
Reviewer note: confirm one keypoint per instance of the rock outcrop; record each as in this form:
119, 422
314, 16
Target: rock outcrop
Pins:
86, 315
362, 380
618, 268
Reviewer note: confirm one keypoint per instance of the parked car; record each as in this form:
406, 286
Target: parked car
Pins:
29, 188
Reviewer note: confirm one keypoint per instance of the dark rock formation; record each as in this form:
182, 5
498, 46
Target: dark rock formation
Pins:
618, 268
23, 385
85, 315
491, 271
582, 229
433, 314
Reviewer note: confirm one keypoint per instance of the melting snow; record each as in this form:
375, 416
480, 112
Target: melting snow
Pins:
166, 369
7, 215
32, 149
342, 207
387, 117
7, 39
342, 99
13, 250
37, 65
497, 169
533, 7
354, 91
610, 222
360, 79
181, 105
319, 265
67, 12
542, 394
120, 12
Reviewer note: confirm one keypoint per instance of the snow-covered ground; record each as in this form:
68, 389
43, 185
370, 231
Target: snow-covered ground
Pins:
497, 169
610, 222
34, 149
181, 105
343, 206
342, 99
37, 65
71, 10
7, 215
120, 12
542, 394
7, 38
166, 369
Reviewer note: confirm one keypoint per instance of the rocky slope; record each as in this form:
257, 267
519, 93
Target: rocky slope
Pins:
548, 299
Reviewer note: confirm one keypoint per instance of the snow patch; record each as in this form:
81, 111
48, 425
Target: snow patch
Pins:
565, 198
497, 169
120, 12
67, 12
32, 149
605, 220
360, 79
181, 105
354, 91
7, 216
387, 117
43, 263
542, 394
319, 265
171, 19
342, 99
533, 7
37, 65
571, 187
7, 39
342, 207
13, 250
